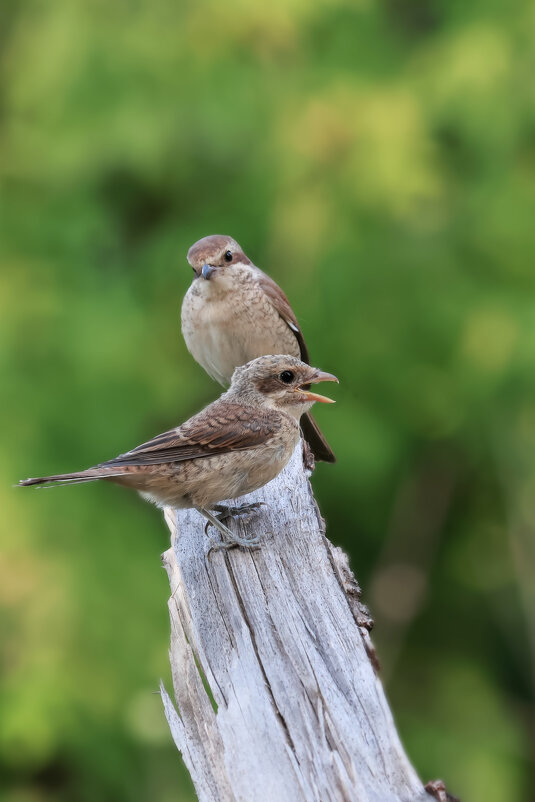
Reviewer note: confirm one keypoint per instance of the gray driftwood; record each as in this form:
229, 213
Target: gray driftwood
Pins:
295, 711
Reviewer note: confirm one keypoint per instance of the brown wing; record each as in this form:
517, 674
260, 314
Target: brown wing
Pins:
320, 447
282, 305
219, 428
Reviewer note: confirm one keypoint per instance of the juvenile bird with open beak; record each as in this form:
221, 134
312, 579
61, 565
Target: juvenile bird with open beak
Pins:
233, 312
232, 447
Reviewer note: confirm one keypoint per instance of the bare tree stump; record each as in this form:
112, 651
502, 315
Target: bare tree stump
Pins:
272, 665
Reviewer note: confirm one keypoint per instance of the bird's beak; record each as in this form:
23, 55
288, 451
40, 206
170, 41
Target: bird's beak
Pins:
319, 376
207, 271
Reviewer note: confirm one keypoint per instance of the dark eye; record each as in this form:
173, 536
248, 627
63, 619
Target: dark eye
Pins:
287, 376
228, 256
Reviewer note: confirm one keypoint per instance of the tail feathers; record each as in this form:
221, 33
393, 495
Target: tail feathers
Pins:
317, 442
90, 475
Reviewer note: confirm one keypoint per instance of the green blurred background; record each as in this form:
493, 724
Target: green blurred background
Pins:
378, 160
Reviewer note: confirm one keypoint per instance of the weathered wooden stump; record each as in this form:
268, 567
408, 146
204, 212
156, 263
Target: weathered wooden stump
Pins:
277, 694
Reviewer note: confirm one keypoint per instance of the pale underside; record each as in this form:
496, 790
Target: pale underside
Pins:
206, 481
222, 334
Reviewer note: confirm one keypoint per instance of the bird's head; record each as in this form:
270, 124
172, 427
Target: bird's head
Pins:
279, 382
212, 256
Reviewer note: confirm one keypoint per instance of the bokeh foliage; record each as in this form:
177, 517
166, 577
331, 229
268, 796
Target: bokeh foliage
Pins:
378, 159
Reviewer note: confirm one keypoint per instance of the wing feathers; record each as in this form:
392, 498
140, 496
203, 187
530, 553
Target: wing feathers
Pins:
220, 428
282, 305
313, 436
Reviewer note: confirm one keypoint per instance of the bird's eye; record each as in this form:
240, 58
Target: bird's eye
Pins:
228, 256
287, 376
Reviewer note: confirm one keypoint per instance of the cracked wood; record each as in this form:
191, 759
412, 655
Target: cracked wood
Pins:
295, 712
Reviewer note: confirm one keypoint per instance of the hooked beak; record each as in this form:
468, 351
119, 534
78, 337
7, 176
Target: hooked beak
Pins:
207, 271
319, 376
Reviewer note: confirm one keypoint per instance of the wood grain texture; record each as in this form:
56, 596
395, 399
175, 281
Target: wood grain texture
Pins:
298, 712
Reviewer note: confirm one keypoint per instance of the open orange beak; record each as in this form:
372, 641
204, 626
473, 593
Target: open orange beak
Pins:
319, 376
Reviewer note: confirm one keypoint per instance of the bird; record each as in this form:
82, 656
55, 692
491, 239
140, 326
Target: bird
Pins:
234, 312
233, 446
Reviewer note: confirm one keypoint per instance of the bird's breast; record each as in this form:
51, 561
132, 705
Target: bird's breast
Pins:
225, 330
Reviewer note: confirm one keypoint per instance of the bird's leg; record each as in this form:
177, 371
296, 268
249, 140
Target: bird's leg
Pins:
225, 513
230, 539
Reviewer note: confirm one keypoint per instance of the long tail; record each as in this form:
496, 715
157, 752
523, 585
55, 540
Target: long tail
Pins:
319, 445
90, 475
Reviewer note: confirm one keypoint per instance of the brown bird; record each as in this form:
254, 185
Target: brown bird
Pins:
233, 312
232, 447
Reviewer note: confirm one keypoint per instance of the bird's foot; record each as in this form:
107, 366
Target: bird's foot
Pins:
225, 513
230, 539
